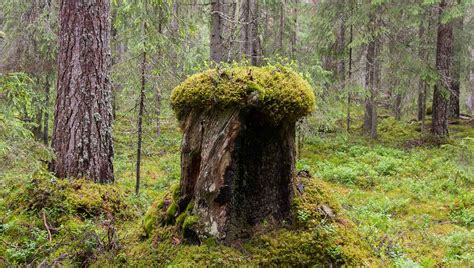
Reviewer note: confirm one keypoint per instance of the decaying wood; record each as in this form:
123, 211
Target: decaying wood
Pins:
238, 170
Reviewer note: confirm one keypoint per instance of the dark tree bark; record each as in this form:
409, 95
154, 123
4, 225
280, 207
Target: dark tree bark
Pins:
454, 108
217, 40
238, 171
221, 39
370, 114
444, 55
82, 136
249, 40
141, 107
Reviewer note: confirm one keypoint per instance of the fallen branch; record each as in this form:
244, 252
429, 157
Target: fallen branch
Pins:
50, 237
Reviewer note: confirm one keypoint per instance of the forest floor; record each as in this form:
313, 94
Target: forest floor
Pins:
411, 202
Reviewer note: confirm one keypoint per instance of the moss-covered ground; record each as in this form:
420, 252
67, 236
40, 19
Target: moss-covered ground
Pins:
401, 200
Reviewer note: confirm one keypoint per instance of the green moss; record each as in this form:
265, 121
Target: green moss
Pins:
209, 254
60, 197
151, 217
171, 211
176, 192
181, 218
190, 221
281, 93
315, 203
328, 243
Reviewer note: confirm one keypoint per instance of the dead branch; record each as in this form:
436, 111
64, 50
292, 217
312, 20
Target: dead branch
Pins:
50, 237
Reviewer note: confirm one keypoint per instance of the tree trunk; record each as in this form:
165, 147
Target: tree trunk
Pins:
82, 136
282, 27
370, 115
444, 54
340, 48
227, 159
454, 108
398, 106
217, 41
141, 107
250, 42
470, 101
174, 25
294, 31
349, 97
221, 38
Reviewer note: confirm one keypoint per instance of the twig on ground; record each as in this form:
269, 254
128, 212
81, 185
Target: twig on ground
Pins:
50, 237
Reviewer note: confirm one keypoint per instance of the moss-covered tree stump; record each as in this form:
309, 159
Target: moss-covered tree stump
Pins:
238, 155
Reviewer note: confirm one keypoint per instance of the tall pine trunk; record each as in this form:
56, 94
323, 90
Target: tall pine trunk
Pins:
82, 136
444, 55
250, 46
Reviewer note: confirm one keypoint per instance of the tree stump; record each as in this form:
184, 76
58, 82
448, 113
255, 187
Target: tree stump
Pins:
238, 154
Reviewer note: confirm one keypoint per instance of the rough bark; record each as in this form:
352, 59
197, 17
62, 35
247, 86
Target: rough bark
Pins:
82, 136
238, 170
250, 46
444, 54
217, 41
453, 106
222, 24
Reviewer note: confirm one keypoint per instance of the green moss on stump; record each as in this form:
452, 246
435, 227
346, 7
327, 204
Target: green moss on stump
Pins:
279, 92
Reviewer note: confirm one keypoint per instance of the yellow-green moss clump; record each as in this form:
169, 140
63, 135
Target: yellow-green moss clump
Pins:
79, 197
164, 212
279, 92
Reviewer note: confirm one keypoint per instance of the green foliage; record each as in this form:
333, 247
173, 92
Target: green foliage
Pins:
410, 203
280, 92
19, 151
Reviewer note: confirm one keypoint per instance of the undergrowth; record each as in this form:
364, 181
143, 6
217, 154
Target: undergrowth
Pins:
401, 200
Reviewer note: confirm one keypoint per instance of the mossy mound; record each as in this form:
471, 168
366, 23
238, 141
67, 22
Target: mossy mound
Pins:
321, 235
279, 92
80, 197
71, 221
